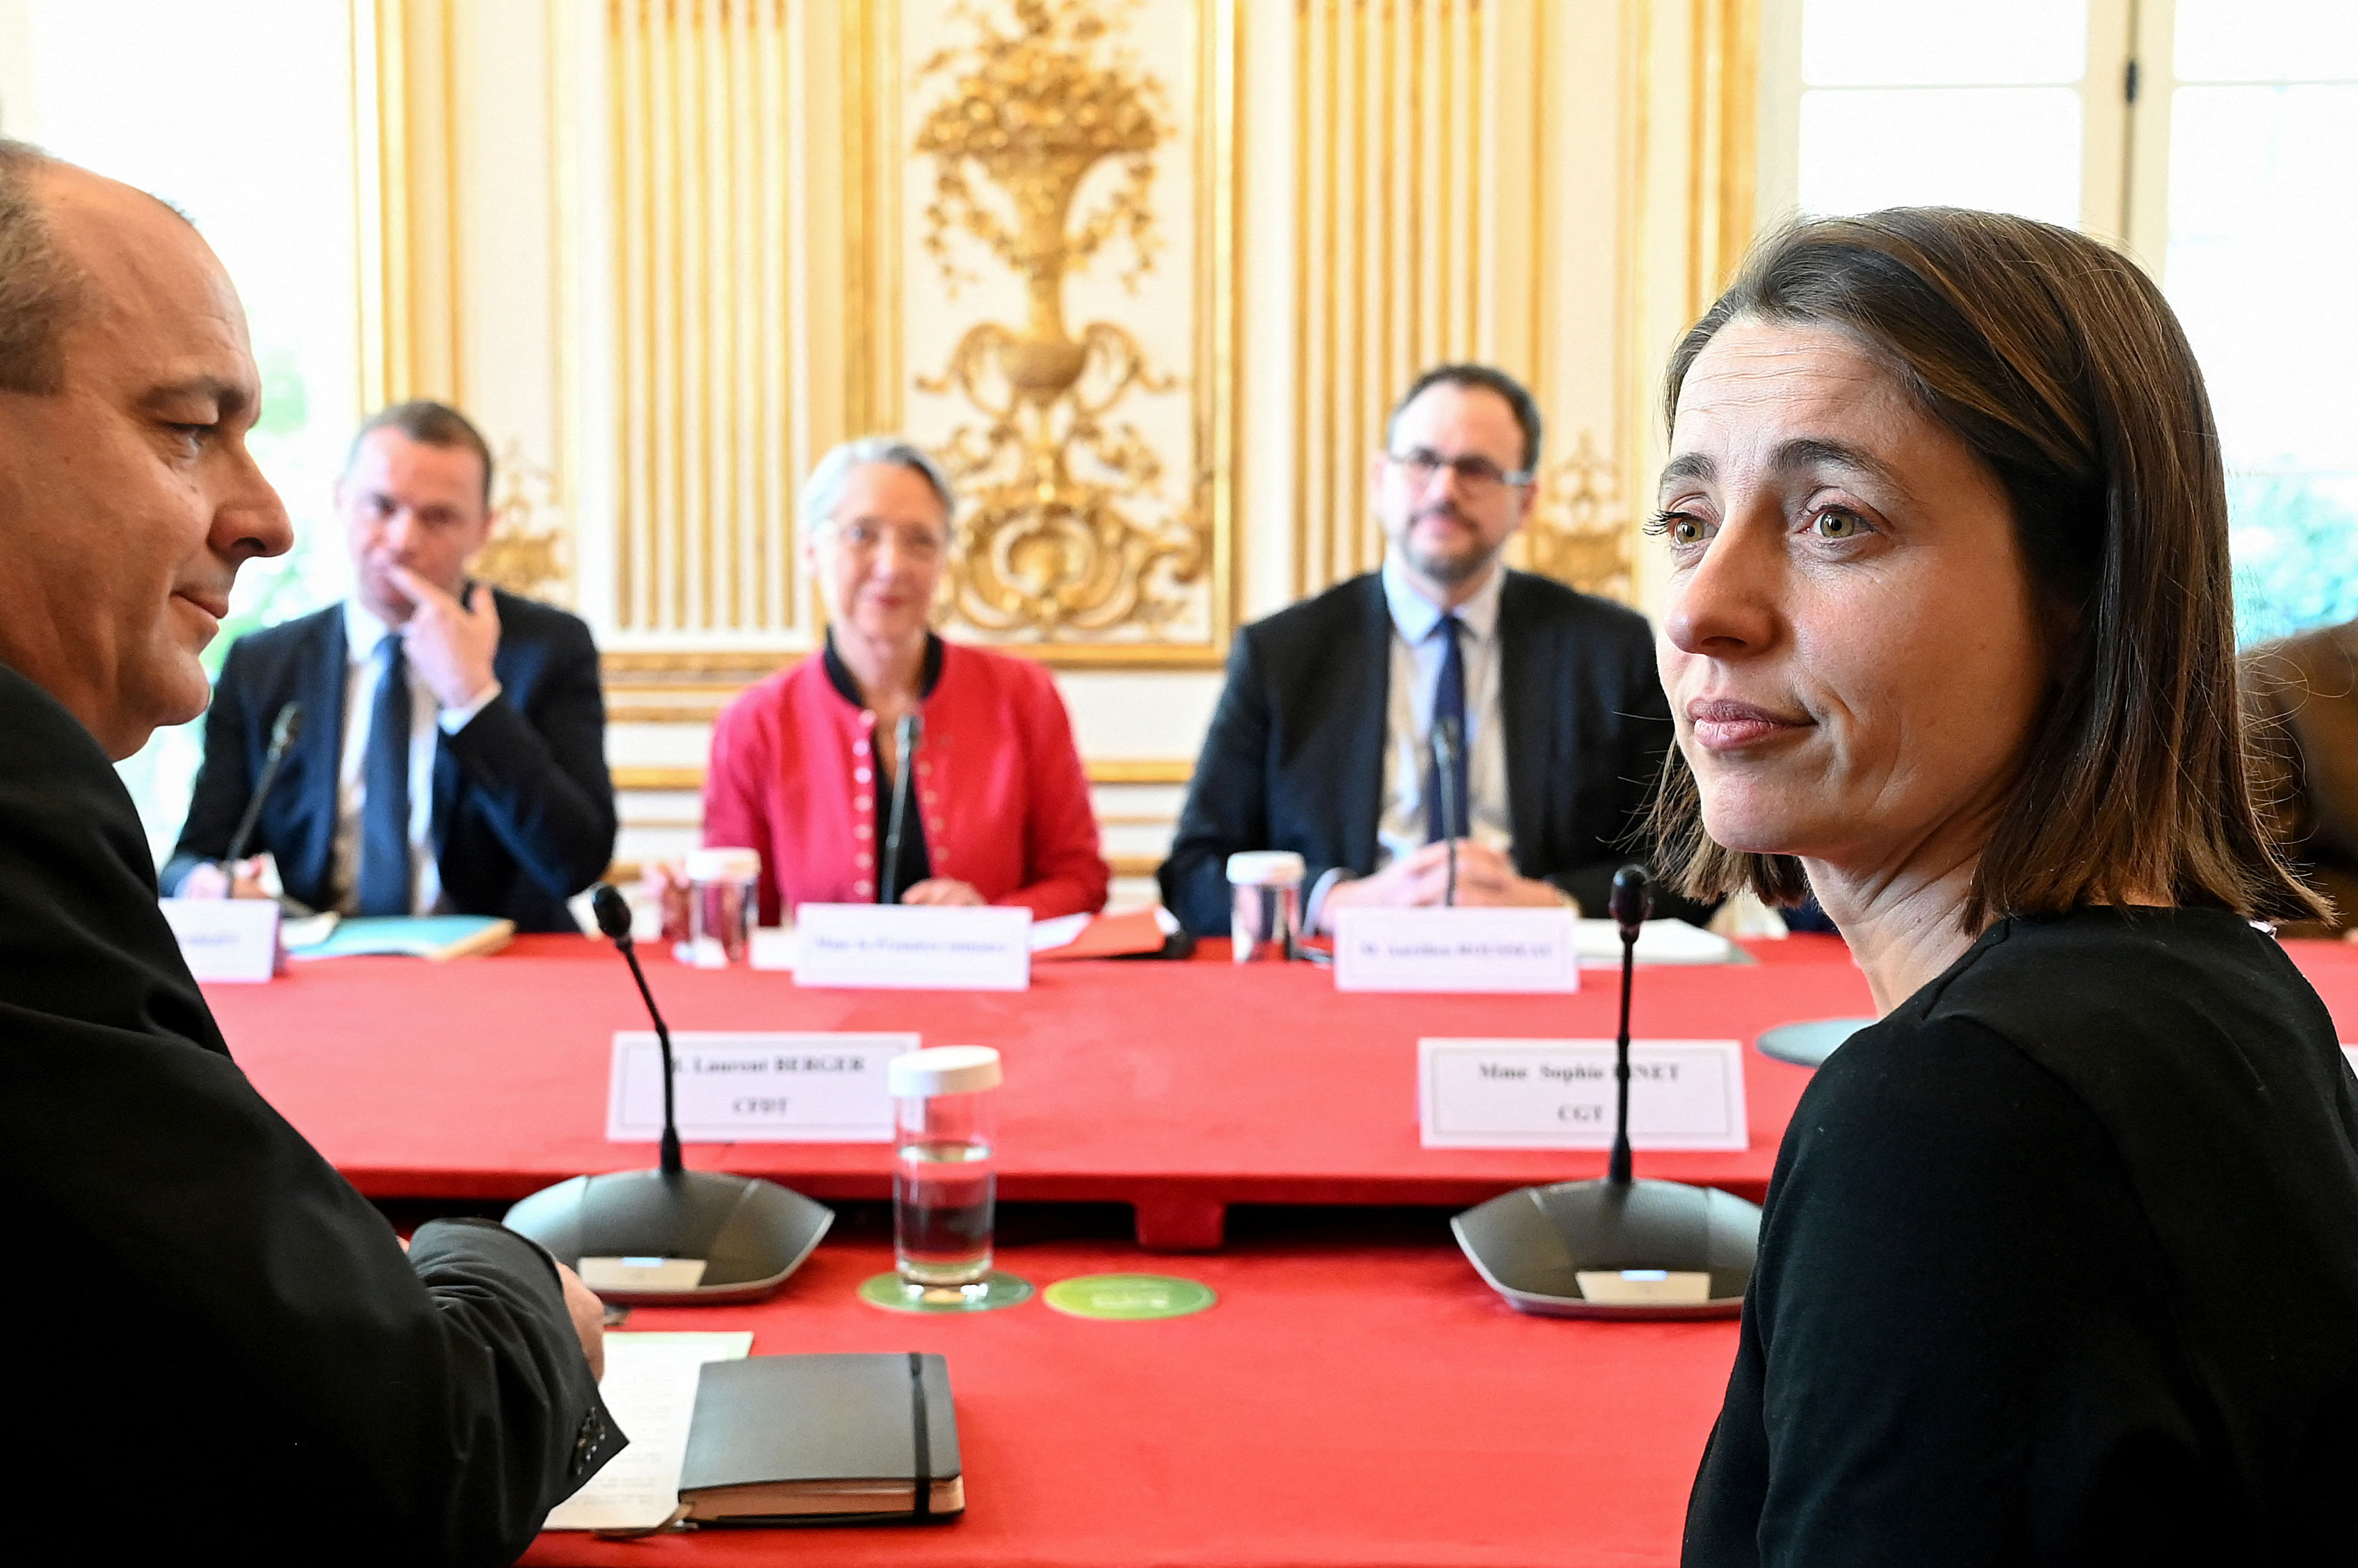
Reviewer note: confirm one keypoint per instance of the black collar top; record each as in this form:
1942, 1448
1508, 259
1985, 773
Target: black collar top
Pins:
2060, 1265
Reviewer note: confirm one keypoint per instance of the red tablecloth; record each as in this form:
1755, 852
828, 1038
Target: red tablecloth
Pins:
1348, 1405
1177, 1087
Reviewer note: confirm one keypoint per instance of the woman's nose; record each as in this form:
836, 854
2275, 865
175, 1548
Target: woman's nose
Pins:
1727, 605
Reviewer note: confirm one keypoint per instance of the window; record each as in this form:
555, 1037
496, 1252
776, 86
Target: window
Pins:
2210, 136
242, 117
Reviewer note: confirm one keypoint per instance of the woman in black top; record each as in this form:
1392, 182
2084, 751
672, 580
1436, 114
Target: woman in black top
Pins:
2059, 1264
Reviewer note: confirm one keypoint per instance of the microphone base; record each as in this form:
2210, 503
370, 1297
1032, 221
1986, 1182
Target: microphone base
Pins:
1614, 1250
677, 1238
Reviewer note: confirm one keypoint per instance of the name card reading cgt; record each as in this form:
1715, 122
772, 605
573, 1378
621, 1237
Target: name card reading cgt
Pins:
1559, 1094
1455, 950
913, 947
754, 1088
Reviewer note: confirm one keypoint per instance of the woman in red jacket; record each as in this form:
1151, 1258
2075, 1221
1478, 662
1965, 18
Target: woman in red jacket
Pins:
804, 763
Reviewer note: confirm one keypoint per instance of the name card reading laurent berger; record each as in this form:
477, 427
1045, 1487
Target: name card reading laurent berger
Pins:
226, 938
1455, 950
1559, 1094
912, 947
731, 1088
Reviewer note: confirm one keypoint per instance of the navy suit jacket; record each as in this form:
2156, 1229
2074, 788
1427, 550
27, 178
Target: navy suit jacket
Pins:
524, 808
1294, 759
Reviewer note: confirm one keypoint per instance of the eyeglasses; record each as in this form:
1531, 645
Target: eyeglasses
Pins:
1476, 475
867, 538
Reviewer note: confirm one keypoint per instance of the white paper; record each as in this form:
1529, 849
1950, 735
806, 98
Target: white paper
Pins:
231, 939
2351, 1052
1659, 942
898, 946
650, 1391
744, 1088
771, 947
1560, 1094
1061, 932
1455, 950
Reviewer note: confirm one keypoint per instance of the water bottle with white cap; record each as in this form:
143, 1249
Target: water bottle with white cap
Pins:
1266, 915
722, 904
945, 1174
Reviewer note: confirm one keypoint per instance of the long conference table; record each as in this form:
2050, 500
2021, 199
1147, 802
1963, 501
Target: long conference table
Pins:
1357, 1396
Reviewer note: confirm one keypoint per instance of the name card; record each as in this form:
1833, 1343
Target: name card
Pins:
754, 1088
913, 947
1455, 950
233, 939
1559, 1094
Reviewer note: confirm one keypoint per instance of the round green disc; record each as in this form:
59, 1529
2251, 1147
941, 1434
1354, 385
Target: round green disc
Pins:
999, 1290
1129, 1298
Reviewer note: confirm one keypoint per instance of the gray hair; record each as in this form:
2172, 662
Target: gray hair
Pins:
40, 289
822, 492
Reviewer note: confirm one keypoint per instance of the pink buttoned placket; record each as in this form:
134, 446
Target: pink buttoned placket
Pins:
863, 796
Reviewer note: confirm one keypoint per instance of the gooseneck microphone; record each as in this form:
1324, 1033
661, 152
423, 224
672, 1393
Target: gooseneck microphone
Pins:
1619, 1247
906, 735
614, 920
283, 731
1631, 901
1444, 772
670, 1234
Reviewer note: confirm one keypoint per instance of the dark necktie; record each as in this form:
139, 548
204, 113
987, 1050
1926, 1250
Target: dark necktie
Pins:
384, 880
1448, 703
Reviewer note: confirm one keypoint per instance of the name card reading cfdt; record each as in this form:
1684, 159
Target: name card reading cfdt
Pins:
1455, 950
754, 1088
913, 947
1559, 1094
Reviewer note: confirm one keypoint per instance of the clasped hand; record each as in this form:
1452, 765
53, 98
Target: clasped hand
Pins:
1486, 879
666, 885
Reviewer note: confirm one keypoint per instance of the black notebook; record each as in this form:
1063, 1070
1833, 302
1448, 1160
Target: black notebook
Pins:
803, 1439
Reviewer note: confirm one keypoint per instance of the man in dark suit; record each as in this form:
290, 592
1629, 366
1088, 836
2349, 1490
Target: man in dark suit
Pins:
251, 1354
1321, 741
476, 781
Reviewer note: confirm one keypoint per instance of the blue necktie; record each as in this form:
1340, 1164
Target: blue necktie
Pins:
383, 879
1448, 702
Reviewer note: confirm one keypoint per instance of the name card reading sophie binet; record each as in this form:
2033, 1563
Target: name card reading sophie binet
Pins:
1455, 950
913, 947
1559, 1094
729, 1087
226, 938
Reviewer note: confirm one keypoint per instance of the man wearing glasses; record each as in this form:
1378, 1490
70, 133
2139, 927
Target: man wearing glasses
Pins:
1323, 742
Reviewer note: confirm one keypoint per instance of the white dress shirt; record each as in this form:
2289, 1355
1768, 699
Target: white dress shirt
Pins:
1416, 655
428, 722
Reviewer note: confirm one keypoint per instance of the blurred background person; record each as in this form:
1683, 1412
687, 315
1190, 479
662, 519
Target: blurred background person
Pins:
2304, 695
805, 764
452, 754
2056, 1264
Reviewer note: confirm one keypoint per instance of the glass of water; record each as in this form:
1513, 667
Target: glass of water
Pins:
945, 1167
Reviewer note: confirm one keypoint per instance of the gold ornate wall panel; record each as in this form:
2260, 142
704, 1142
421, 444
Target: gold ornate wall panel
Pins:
1052, 241
1396, 164
703, 116
407, 143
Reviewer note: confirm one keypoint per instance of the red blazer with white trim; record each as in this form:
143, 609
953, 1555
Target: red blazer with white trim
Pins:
998, 784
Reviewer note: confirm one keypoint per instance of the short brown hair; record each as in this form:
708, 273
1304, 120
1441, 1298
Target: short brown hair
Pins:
430, 424
1481, 378
40, 289
2060, 366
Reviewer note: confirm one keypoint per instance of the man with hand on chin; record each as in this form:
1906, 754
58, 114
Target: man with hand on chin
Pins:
451, 757
1322, 739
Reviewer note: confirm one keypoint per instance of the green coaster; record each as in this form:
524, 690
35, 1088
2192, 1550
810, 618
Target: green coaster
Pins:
1129, 1298
1001, 1289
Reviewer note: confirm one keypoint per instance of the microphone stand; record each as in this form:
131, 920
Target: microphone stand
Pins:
1631, 901
283, 731
670, 1235
1444, 772
888, 876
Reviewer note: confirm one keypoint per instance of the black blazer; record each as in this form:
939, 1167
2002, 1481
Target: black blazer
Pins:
1295, 756
252, 1336
523, 809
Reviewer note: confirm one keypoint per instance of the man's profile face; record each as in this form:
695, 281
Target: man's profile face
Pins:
1445, 530
409, 504
128, 499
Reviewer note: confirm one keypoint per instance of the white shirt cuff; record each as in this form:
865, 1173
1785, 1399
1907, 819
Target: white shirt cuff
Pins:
454, 719
1315, 906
